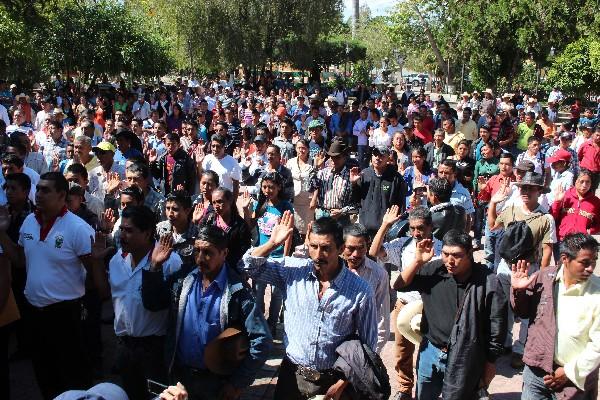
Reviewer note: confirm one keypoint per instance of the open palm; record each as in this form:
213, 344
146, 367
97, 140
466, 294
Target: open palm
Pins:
283, 229
520, 278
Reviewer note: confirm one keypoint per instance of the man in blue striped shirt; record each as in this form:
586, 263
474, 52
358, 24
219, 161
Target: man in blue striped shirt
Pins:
324, 304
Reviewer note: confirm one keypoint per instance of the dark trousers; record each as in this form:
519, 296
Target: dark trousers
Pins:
4, 372
291, 385
59, 358
139, 359
200, 384
19, 277
92, 309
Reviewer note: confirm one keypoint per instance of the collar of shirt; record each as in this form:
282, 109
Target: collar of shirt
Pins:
339, 277
574, 290
220, 281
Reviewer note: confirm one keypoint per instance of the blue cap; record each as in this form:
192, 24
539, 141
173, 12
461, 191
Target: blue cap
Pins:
102, 391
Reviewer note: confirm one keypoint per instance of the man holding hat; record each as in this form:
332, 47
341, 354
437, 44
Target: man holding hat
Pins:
209, 303
332, 188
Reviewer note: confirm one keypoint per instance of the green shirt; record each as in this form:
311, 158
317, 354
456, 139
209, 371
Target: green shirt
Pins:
524, 132
485, 167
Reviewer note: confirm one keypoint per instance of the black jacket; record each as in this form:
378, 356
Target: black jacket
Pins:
184, 172
477, 336
446, 216
447, 151
377, 193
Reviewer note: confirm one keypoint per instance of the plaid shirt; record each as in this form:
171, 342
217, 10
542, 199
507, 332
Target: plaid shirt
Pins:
335, 189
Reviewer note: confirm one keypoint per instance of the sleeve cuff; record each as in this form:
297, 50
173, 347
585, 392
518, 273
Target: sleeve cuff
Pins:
573, 376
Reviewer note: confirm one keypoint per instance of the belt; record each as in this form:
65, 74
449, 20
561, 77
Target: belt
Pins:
310, 374
56, 306
192, 371
139, 340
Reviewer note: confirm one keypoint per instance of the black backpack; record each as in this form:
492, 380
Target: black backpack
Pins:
517, 242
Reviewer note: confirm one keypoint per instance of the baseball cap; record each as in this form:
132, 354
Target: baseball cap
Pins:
409, 126
104, 146
382, 150
560, 155
525, 165
566, 135
260, 138
589, 126
102, 391
315, 123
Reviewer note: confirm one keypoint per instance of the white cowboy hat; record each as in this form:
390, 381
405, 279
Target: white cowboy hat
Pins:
22, 95
465, 94
490, 91
507, 95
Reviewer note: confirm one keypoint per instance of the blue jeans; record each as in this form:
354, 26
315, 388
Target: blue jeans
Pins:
533, 385
431, 367
274, 306
478, 223
492, 238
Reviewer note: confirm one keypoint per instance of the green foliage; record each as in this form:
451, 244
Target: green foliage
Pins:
576, 70
14, 47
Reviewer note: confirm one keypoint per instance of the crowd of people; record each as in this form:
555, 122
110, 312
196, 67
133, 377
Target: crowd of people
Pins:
359, 211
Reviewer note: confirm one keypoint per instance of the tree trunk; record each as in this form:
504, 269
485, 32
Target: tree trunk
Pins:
436, 50
315, 74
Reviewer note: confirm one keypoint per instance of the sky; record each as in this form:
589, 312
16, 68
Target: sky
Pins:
378, 7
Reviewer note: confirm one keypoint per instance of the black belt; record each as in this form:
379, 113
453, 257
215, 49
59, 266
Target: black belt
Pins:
310, 374
134, 341
56, 306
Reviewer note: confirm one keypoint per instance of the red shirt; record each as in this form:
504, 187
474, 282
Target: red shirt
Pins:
428, 124
589, 156
425, 136
573, 215
493, 184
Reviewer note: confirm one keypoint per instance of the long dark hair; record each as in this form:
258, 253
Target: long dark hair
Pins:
261, 206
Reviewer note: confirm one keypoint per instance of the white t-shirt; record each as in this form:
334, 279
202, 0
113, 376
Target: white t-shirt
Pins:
227, 168
131, 317
54, 271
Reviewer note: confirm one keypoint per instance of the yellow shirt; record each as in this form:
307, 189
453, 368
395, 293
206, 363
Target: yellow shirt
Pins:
468, 129
577, 346
454, 140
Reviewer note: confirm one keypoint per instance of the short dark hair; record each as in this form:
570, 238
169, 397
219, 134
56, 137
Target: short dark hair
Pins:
180, 197
213, 235
455, 237
13, 159
441, 188
173, 137
509, 156
134, 192
328, 226
77, 169
21, 179
356, 230
451, 120
142, 218
420, 212
450, 164
574, 242
531, 139
60, 182
139, 167
219, 139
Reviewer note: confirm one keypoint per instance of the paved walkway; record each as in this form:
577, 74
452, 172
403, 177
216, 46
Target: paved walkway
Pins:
505, 386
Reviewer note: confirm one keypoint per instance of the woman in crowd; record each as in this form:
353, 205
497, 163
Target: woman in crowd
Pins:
403, 155
381, 136
175, 120
209, 181
464, 164
577, 209
418, 174
302, 172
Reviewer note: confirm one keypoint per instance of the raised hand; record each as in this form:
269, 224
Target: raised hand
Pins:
283, 229
424, 251
237, 153
391, 216
152, 155
198, 213
55, 162
99, 248
319, 159
246, 200
108, 219
113, 182
199, 154
161, 251
519, 278
502, 193
481, 183
354, 174
559, 193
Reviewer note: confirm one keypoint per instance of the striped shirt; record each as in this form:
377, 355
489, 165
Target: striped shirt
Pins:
335, 189
378, 279
315, 328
